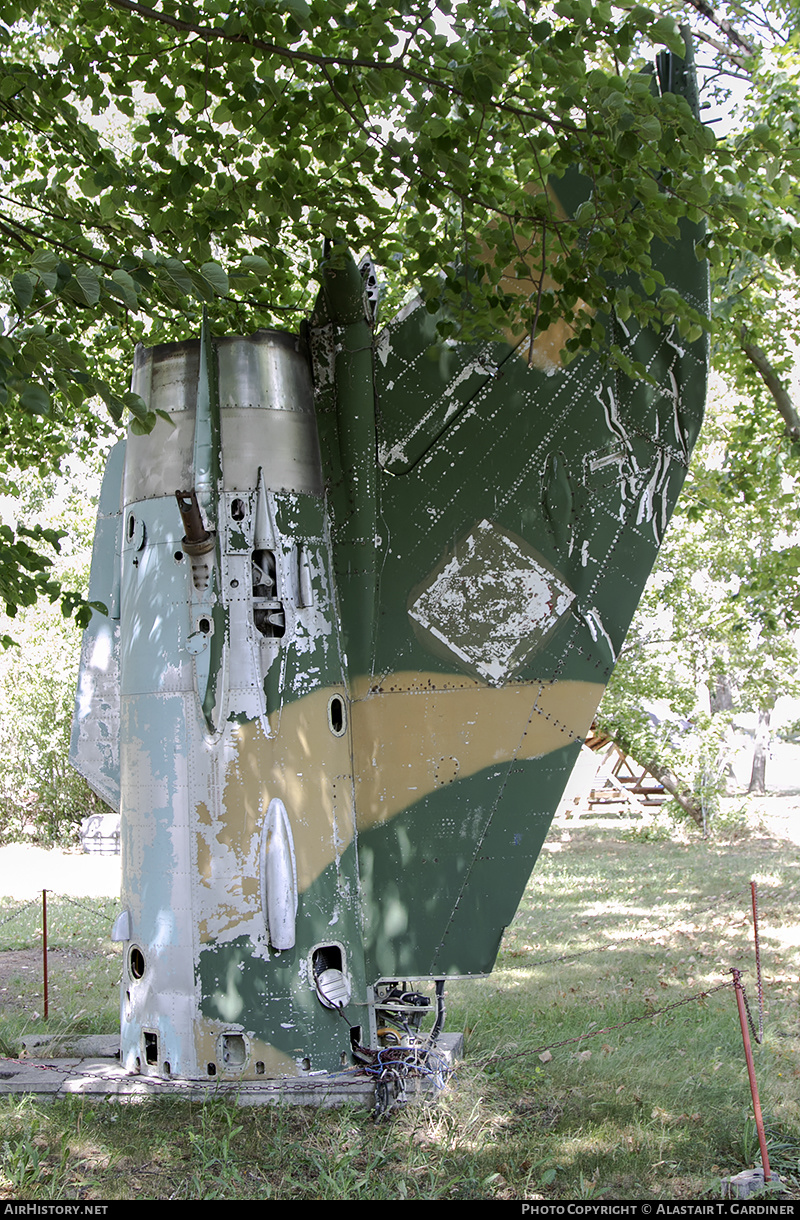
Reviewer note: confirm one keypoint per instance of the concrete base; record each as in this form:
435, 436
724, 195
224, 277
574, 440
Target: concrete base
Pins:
746, 1183
90, 1067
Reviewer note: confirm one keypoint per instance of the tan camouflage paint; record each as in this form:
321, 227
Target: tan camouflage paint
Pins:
545, 352
451, 727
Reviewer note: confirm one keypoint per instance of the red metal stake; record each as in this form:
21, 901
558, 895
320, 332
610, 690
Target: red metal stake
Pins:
44, 948
751, 1072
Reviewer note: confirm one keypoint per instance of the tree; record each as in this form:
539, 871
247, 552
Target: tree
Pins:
161, 158
41, 796
717, 631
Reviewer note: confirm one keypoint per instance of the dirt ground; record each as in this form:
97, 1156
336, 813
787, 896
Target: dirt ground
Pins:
19, 964
24, 872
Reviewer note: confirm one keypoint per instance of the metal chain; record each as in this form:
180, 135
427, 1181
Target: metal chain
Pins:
758, 1034
566, 957
537, 1050
81, 906
759, 1037
18, 912
390, 1085
99, 914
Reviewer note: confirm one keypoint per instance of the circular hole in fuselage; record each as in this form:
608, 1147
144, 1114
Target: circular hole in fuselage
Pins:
136, 962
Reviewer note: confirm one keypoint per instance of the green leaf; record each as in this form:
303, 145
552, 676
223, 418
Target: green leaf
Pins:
178, 274
10, 84
128, 287
137, 406
143, 427
216, 277
22, 287
257, 265
35, 400
202, 288
628, 145
666, 30
88, 283
44, 263
649, 128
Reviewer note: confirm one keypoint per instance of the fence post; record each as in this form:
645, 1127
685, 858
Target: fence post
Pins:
751, 1072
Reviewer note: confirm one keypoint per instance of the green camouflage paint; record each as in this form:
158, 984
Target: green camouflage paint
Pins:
338, 756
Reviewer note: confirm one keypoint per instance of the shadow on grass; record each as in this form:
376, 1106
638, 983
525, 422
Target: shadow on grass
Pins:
609, 930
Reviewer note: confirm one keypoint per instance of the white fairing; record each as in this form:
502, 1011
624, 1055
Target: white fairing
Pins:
278, 877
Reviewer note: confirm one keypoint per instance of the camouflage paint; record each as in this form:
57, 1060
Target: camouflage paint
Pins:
339, 734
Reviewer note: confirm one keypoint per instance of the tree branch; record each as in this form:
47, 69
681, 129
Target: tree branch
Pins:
743, 61
724, 26
322, 61
782, 399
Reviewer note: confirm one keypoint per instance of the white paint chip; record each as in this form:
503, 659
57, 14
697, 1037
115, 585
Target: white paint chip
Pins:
493, 604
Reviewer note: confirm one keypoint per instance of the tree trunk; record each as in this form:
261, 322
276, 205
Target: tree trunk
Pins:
758, 775
678, 791
670, 782
721, 695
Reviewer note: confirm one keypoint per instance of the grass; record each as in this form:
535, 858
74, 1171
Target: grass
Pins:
613, 927
83, 969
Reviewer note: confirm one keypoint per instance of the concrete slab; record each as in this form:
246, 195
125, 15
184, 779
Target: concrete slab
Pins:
748, 1182
64, 1046
36, 1076
100, 1076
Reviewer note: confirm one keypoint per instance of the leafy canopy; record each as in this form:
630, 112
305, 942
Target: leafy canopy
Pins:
716, 633
158, 159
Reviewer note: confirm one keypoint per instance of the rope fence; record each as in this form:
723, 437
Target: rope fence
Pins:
757, 1031
745, 1015
42, 904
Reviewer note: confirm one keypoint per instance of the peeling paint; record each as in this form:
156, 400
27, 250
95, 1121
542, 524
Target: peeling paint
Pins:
521, 599
360, 713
